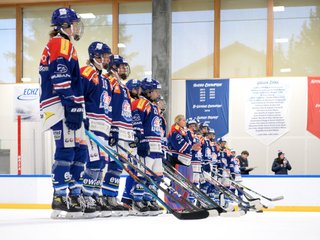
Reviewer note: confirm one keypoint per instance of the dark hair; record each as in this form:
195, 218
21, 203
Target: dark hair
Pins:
245, 152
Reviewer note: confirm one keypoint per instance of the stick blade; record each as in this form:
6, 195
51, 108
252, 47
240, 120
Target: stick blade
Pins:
201, 214
277, 198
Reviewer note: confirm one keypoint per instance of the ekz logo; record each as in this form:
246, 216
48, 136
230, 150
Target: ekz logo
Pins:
29, 94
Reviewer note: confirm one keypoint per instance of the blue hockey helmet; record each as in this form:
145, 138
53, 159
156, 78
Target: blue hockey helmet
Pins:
220, 140
97, 49
149, 84
192, 121
65, 18
133, 83
115, 62
204, 125
211, 130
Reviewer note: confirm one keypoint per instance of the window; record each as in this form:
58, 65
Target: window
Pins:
8, 45
97, 22
36, 28
135, 37
243, 38
296, 37
192, 39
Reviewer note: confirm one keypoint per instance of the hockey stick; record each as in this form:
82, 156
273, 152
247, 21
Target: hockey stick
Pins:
212, 206
201, 196
253, 204
212, 211
180, 215
249, 189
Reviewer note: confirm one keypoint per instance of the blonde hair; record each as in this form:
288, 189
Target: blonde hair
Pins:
178, 118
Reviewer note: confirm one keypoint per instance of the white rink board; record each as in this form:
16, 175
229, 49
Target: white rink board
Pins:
297, 190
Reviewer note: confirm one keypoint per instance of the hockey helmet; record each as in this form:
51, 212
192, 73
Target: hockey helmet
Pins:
97, 49
204, 125
220, 140
133, 83
192, 121
211, 130
116, 61
65, 18
149, 84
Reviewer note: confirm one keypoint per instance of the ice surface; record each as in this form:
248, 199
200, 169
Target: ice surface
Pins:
36, 224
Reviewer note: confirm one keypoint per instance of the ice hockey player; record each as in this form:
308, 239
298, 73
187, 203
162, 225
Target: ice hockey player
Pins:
61, 107
196, 159
147, 125
97, 95
131, 191
121, 132
179, 155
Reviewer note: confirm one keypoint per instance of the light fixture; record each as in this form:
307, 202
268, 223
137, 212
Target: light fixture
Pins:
285, 70
278, 9
121, 45
87, 15
281, 40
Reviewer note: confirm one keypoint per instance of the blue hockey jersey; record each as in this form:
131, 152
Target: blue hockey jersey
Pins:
179, 145
147, 122
121, 110
59, 80
97, 95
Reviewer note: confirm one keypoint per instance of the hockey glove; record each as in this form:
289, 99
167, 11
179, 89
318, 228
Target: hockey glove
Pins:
143, 149
74, 116
114, 136
137, 137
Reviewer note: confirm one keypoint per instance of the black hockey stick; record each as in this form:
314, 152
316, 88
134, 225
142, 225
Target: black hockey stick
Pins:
115, 156
210, 205
186, 202
201, 196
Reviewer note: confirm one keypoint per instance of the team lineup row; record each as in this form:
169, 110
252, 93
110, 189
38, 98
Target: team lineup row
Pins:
125, 129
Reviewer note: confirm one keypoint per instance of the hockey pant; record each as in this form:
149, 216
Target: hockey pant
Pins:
92, 178
69, 159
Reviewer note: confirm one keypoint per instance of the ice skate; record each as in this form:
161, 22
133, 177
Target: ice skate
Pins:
117, 209
140, 209
90, 207
105, 210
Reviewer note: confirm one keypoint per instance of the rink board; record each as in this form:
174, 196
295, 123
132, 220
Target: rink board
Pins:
301, 192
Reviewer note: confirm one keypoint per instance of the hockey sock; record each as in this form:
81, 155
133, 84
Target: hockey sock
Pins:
110, 185
60, 177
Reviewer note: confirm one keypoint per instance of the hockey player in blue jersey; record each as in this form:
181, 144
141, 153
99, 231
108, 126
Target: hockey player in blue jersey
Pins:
147, 125
121, 132
131, 191
97, 95
196, 159
180, 147
61, 107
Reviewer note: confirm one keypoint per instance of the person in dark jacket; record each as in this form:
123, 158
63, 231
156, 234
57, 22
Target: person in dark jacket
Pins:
281, 165
244, 164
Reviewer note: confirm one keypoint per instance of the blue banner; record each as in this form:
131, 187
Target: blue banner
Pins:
208, 100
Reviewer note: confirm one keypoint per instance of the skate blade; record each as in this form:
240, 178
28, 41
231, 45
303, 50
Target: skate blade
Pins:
233, 214
106, 214
90, 215
153, 213
74, 215
139, 214
125, 213
213, 213
58, 214
116, 213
